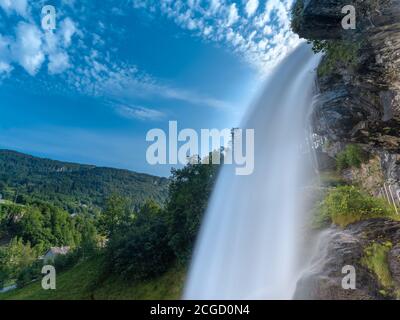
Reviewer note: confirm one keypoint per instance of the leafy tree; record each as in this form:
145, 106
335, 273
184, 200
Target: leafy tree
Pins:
46, 225
14, 258
189, 193
29, 274
143, 252
115, 216
85, 226
10, 214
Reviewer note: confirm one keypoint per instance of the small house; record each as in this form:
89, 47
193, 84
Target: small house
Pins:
53, 252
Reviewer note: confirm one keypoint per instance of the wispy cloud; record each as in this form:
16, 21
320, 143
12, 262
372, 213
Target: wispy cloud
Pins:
100, 76
139, 113
94, 73
259, 33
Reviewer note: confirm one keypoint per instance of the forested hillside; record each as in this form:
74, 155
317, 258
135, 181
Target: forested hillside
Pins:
124, 252
73, 187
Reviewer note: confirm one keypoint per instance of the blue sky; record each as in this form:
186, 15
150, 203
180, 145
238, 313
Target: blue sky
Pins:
112, 70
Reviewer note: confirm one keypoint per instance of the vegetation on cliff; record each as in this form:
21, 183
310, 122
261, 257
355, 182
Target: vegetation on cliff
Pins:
347, 204
376, 259
356, 107
352, 156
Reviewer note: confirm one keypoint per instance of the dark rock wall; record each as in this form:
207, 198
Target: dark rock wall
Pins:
360, 103
339, 248
357, 104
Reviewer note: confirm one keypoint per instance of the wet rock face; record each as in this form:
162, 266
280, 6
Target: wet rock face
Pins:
322, 19
359, 101
394, 264
338, 248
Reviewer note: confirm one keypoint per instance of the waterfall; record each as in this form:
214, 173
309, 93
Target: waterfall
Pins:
249, 243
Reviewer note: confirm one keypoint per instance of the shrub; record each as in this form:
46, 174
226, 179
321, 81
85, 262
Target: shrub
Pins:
143, 252
67, 261
346, 204
29, 274
351, 156
338, 53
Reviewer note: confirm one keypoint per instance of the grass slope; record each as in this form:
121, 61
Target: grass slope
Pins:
78, 284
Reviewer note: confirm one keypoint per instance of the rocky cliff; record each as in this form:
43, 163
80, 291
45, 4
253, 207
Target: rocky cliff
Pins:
358, 103
372, 247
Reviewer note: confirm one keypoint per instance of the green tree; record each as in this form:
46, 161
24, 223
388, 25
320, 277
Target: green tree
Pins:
144, 251
115, 216
85, 225
14, 258
189, 193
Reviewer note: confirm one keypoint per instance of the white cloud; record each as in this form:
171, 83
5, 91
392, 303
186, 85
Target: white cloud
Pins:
56, 45
68, 29
58, 62
139, 113
215, 6
27, 48
251, 7
260, 34
18, 6
5, 64
30, 46
233, 15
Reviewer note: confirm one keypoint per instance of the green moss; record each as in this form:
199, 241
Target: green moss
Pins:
338, 54
376, 260
347, 204
351, 156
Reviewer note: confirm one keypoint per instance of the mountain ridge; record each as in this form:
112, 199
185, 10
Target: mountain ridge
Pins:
73, 186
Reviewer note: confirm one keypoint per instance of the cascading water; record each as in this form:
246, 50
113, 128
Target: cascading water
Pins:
248, 247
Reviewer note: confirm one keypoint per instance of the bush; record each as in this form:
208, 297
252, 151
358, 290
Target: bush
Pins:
143, 252
67, 261
345, 205
338, 53
351, 156
29, 274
